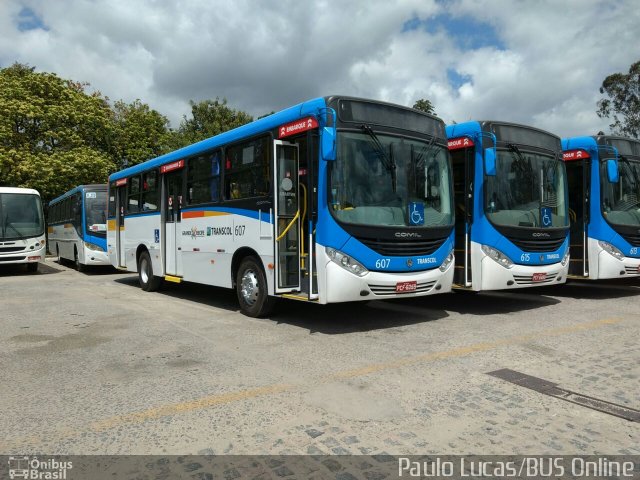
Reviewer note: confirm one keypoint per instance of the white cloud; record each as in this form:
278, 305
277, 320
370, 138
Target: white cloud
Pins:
264, 56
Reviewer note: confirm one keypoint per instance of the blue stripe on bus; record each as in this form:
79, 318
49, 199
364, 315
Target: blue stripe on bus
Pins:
263, 125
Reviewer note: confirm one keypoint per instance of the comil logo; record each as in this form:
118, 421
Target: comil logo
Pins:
35, 469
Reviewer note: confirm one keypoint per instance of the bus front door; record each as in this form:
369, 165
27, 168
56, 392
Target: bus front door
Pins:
121, 200
463, 171
172, 218
287, 217
578, 184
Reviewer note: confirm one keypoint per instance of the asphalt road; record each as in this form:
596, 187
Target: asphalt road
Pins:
91, 364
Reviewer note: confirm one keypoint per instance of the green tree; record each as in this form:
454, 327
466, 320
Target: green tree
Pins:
425, 105
141, 133
53, 135
623, 102
209, 118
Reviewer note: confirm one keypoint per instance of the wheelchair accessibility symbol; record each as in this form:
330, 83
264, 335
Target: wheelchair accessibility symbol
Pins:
416, 213
545, 216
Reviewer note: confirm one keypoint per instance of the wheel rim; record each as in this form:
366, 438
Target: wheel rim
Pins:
144, 270
249, 288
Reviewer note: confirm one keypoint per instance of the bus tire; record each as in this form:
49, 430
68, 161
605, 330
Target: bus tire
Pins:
148, 281
32, 267
251, 289
79, 267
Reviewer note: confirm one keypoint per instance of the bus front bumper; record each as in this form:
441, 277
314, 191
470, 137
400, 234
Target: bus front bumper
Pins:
96, 257
496, 277
343, 286
24, 256
611, 267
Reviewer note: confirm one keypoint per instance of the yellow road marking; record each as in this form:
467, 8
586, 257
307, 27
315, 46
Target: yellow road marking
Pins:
226, 398
172, 409
467, 350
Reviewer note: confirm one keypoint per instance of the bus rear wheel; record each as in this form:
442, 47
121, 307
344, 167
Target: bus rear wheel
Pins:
251, 289
148, 281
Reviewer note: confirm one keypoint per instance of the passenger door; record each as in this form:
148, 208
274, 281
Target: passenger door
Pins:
287, 217
172, 219
121, 201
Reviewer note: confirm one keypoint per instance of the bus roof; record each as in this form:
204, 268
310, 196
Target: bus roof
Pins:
79, 188
26, 191
310, 107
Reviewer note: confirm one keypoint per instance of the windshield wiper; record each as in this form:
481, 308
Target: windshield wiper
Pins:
387, 160
636, 180
9, 224
514, 148
427, 151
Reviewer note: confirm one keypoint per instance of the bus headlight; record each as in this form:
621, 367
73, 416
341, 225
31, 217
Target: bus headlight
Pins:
346, 262
94, 247
497, 256
611, 250
447, 262
565, 259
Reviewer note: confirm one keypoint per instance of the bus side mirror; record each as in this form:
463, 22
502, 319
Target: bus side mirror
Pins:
490, 162
612, 171
329, 143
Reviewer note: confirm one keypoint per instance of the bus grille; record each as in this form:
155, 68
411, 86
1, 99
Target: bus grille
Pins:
422, 287
633, 239
528, 279
632, 270
11, 249
538, 245
403, 248
11, 259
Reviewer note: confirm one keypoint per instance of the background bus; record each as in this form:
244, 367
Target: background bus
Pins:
604, 202
77, 226
335, 199
22, 238
511, 206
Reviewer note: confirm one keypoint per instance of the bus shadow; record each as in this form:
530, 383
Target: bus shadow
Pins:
332, 319
595, 290
217, 297
90, 270
15, 270
487, 303
353, 317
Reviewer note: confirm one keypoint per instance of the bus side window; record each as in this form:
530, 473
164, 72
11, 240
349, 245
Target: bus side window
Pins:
150, 191
133, 195
247, 168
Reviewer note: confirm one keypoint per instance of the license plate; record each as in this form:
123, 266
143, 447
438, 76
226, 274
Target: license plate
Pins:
406, 286
539, 277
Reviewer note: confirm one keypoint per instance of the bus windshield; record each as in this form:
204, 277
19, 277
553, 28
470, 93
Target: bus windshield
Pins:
390, 181
528, 190
621, 200
96, 213
20, 216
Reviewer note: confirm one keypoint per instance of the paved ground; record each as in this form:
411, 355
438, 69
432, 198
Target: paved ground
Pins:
91, 364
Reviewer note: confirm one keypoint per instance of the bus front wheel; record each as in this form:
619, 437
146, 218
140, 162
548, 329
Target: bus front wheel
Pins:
79, 267
251, 288
32, 267
148, 281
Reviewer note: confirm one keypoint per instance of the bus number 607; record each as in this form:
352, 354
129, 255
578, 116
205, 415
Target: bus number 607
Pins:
383, 263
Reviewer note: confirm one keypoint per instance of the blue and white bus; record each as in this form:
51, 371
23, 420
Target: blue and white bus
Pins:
604, 193
22, 238
77, 226
512, 220
332, 200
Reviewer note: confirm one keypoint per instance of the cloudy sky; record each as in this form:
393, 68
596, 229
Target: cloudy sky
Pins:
535, 62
